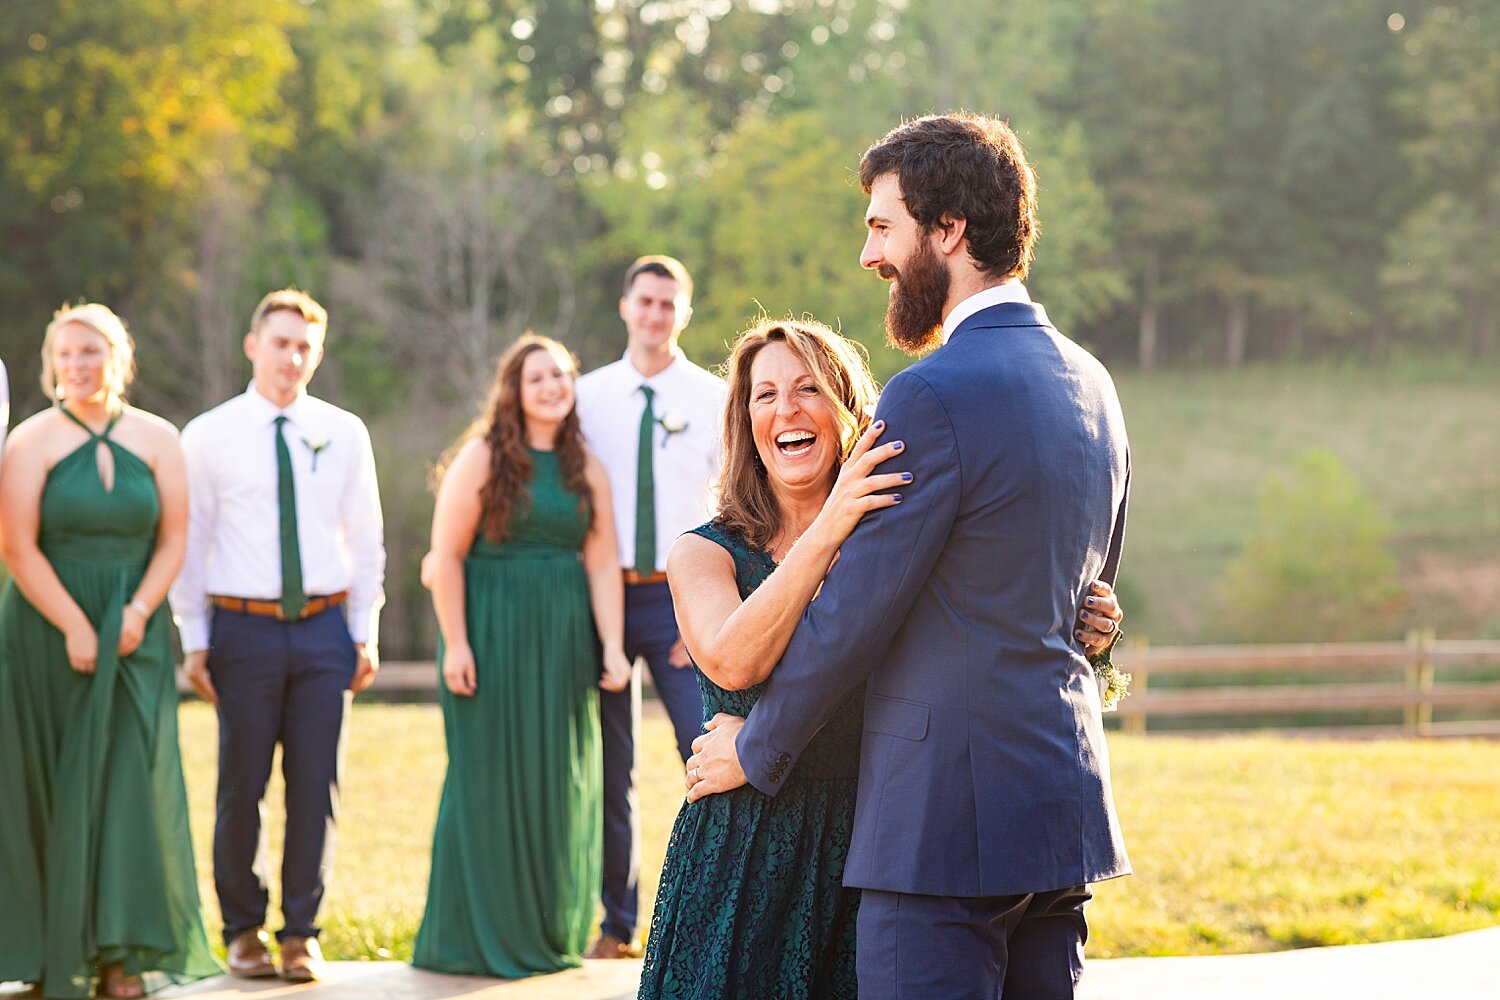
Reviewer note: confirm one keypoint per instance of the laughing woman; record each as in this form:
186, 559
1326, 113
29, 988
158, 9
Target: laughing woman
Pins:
96, 861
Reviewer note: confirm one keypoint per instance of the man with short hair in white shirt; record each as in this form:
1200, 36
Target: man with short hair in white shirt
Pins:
278, 605
655, 420
4, 406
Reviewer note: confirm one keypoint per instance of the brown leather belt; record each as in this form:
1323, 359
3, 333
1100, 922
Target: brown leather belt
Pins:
634, 579
272, 609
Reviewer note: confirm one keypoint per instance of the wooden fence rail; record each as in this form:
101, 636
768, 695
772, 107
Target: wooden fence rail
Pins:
1328, 679
1332, 678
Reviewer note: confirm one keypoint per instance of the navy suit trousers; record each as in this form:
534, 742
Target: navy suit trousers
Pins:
1027, 947
287, 683
650, 632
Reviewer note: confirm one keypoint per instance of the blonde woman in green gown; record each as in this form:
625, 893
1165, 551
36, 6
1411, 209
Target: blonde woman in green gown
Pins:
524, 576
96, 860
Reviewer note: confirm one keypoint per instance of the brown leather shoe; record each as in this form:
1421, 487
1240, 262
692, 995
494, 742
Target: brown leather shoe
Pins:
248, 957
301, 960
609, 946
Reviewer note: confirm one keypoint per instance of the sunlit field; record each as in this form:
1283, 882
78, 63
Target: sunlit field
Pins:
1239, 844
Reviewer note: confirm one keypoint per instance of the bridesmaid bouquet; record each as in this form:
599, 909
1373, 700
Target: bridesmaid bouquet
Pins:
1114, 683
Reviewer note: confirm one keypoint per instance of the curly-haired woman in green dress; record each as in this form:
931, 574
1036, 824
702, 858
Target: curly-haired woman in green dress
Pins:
752, 901
96, 861
524, 575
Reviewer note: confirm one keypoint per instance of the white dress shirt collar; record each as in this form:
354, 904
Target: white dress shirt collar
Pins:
665, 374
1008, 291
269, 411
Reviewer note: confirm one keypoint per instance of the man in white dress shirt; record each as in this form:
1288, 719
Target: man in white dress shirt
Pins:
4, 406
278, 605
655, 420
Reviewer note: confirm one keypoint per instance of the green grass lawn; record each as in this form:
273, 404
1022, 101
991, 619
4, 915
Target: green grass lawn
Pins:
1239, 844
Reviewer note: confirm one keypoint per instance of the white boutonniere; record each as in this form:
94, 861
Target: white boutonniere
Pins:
672, 422
316, 445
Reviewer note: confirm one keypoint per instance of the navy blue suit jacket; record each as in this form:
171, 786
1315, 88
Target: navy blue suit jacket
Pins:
984, 769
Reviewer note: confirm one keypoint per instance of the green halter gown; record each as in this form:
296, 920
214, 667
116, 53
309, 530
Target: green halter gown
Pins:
96, 860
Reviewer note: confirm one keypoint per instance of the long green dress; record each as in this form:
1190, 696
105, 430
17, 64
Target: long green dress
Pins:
516, 853
752, 902
96, 859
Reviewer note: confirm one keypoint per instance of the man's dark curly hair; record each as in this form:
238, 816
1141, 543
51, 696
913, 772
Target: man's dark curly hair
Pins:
968, 166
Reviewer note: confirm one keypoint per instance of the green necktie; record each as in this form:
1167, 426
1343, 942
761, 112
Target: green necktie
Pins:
645, 493
292, 597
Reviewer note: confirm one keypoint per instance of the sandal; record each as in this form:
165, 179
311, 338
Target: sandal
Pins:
115, 985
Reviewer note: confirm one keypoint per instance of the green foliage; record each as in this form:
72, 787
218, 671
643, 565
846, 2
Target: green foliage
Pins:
1443, 272
1219, 182
1078, 274
772, 221
115, 120
1228, 180
1317, 565
785, 234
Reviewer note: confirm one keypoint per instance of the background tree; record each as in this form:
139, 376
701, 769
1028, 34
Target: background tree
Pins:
1317, 565
115, 124
1150, 147
1443, 271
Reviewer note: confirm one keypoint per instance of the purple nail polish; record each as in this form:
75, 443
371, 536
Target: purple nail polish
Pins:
896, 497
906, 477
898, 446
1089, 602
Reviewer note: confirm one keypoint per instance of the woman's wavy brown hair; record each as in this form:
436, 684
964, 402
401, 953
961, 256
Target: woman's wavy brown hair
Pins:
502, 427
747, 500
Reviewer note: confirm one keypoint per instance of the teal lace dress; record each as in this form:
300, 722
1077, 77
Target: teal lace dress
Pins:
752, 902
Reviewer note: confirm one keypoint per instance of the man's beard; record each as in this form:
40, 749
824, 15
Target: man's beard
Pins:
914, 316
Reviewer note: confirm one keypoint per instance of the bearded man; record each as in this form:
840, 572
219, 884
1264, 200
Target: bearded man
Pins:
984, 807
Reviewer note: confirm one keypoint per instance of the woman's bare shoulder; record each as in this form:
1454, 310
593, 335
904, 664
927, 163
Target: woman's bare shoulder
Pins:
147, 432
693, 555
48, 434
161, 428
